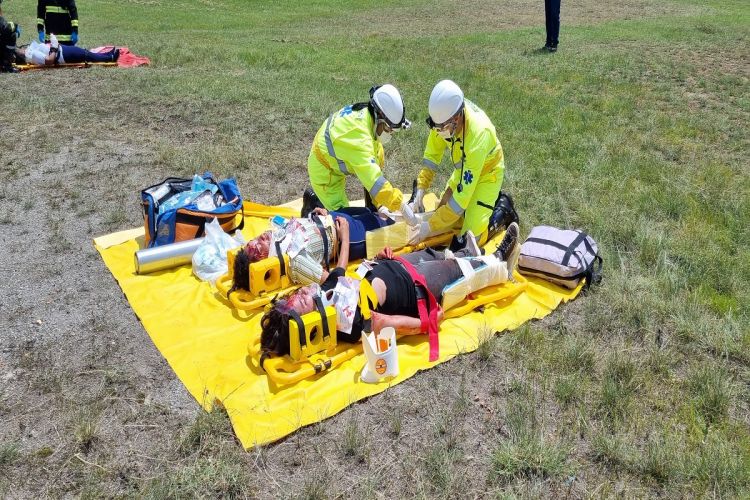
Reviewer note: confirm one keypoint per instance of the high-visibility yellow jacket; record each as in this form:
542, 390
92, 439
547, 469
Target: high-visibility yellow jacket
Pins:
346, 145
476, 155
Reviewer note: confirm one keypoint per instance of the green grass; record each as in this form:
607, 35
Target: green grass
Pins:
636, 131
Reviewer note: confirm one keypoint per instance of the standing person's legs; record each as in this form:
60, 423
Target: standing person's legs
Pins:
547, 21
554, 32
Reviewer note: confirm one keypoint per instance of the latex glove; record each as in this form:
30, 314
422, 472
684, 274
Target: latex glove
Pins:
18, 32
41, 36
74, 37
417, 206
384, 211
53, 41
419, 233
408, 214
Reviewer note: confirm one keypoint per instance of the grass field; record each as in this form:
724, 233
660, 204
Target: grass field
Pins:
637, 130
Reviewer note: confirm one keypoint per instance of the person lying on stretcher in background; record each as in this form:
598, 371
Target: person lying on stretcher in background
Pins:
312, 243
42, 54
446, 279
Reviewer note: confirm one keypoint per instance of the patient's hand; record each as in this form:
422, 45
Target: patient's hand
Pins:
379, 321
385, 254
320, 211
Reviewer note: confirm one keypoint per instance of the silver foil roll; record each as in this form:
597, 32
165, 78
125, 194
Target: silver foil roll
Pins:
149, 260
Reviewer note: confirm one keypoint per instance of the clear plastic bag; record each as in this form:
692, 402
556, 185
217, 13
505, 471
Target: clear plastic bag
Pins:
210, 259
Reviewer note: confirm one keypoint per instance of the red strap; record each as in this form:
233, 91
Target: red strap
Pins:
428, 313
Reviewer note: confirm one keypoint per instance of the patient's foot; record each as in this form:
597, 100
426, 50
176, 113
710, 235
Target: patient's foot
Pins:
509, 248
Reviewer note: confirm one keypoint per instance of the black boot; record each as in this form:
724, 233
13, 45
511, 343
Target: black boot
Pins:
310, 201
503, 215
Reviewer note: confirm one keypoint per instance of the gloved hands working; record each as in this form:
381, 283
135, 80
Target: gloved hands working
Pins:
419, 233
74, 37
408, 214
416, 205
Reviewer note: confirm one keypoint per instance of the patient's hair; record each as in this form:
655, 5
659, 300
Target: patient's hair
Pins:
241, 275
251, 252
274, 336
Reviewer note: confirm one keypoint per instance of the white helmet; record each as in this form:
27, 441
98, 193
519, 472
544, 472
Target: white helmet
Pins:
388, 103
445, 101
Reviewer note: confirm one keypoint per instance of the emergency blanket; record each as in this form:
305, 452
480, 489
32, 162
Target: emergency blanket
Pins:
127, 59
206, 341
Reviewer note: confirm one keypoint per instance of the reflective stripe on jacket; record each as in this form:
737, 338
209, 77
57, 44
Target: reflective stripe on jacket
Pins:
57, 16
346, 145
476, 155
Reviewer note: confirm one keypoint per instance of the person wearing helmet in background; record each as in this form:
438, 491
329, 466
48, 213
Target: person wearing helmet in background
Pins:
460, 128
9, 33
350, 142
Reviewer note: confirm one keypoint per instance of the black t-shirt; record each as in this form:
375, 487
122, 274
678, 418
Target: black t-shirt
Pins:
400, 299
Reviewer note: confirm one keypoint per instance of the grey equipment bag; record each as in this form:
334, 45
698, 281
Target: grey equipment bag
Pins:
562, 256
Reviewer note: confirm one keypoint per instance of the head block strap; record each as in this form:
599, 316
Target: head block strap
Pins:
323, 318
300, 327
280, 256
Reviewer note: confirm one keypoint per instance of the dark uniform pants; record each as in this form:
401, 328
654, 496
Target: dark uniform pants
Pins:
552, 16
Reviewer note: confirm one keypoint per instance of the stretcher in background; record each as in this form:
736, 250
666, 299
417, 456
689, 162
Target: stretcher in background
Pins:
36, 67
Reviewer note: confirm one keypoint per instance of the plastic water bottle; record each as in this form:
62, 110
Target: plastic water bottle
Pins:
278, 227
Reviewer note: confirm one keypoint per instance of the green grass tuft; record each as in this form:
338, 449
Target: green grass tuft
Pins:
530, 457
711, 391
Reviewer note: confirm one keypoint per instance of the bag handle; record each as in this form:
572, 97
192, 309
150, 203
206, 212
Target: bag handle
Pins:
594, 273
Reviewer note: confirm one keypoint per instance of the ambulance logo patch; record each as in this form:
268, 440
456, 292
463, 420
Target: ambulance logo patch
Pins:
468, 177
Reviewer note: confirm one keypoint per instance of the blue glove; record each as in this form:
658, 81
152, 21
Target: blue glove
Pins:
41, 36
74, 37
18, 32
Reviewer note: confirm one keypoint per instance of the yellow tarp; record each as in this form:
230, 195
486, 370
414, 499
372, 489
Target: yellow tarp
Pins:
205, 341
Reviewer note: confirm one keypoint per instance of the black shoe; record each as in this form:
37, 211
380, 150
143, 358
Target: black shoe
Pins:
503, 215
550, 48
310, 201
509, 243
115, 54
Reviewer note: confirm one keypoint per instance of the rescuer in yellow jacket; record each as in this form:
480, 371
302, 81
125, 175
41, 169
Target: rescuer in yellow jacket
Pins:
350, 142
460, 128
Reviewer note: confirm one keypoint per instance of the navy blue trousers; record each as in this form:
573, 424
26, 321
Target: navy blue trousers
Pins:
360, 221
73, 54
552, 17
